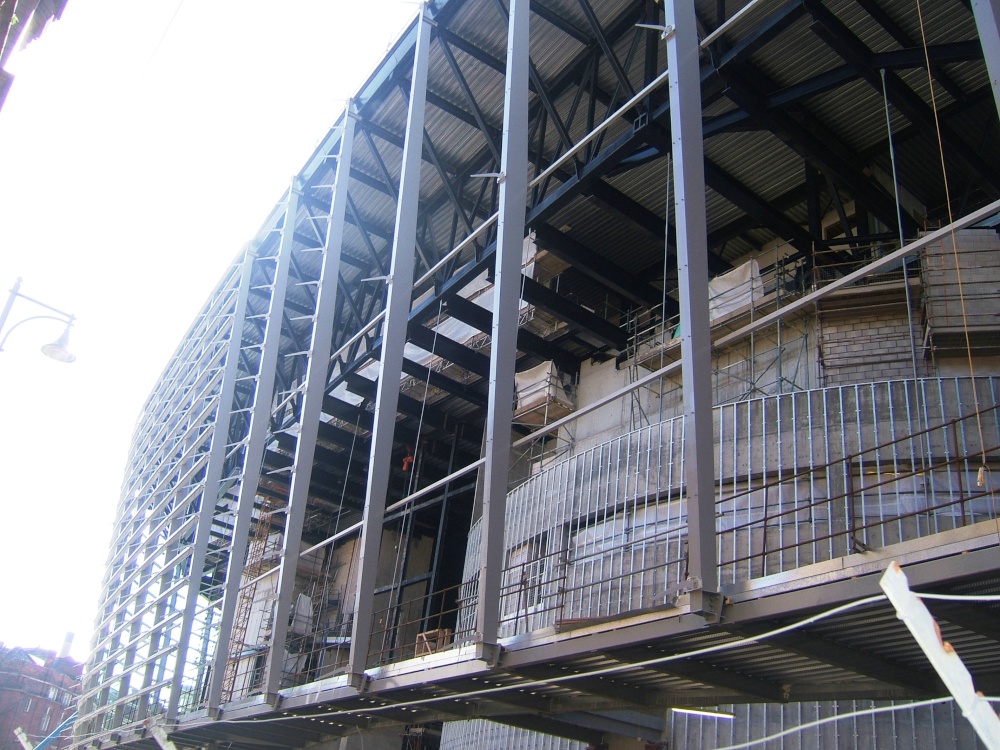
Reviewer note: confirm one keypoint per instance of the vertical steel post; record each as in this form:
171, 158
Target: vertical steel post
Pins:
692, 272
213, 475
987, 13
393, 340
503, 341
312, 403
260, 418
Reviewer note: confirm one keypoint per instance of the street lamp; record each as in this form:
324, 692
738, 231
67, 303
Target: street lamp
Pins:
57, 350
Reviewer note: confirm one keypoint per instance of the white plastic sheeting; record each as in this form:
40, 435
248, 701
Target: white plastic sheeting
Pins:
539, 386
734, 290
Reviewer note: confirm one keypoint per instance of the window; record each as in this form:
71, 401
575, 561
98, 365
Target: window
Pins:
46, 720
27, 705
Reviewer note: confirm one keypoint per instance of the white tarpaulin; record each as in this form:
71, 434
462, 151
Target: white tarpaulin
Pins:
538, 386
734, 289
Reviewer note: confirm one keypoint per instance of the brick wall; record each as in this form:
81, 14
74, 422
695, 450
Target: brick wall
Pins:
861, 348
35, 697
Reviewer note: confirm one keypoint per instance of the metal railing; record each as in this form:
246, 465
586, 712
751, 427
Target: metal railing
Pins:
419, 625
801, 478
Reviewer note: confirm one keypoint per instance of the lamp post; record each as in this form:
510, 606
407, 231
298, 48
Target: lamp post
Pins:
57, 349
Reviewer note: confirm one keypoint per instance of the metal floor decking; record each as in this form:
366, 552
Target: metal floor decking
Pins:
626, 671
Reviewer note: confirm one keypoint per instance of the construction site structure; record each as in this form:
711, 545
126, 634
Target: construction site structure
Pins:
578, 393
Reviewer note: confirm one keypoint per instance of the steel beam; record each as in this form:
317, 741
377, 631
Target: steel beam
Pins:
400, 289
692, 275
312, 405
696, 670
917, 682
608, 334
842, 41
506, 300
609, 53
456, 70
449, 349
260, 419
987, 13
529, 343
605, 272
904, 40
828, 154
213, 476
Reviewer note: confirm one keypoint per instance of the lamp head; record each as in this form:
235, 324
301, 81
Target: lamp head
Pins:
58, 350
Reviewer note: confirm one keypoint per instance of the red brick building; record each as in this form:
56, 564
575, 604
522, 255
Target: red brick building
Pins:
38, 690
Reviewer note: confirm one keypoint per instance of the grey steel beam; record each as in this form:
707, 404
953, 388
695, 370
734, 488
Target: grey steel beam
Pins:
213, 477
400, 289
527, 342
260, 419
506, 300
538, 86
748, 686
449, 349
987, 14
897, 32
592, 264
433, 418
827, 153
470, 97
856, 53
427, 374
629, 724
609, 52
369, 245
918, 682
601, 330
692, 275
312, 405
607, 688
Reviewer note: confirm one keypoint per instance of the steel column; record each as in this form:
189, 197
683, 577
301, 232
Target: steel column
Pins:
213, 476
692, 272
393, 341
312, 406
503, 342
260, 418
987, 13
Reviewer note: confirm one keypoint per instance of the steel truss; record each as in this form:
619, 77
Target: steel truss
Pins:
342, 390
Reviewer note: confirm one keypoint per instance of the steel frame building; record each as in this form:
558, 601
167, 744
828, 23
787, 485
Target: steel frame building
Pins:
345, 510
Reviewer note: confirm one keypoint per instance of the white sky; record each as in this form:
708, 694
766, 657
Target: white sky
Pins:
131, 172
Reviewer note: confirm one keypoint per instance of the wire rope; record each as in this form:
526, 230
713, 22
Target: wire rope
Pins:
952, 232
728, 646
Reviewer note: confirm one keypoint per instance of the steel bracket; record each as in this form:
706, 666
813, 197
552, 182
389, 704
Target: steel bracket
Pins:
489, 653
359, 681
